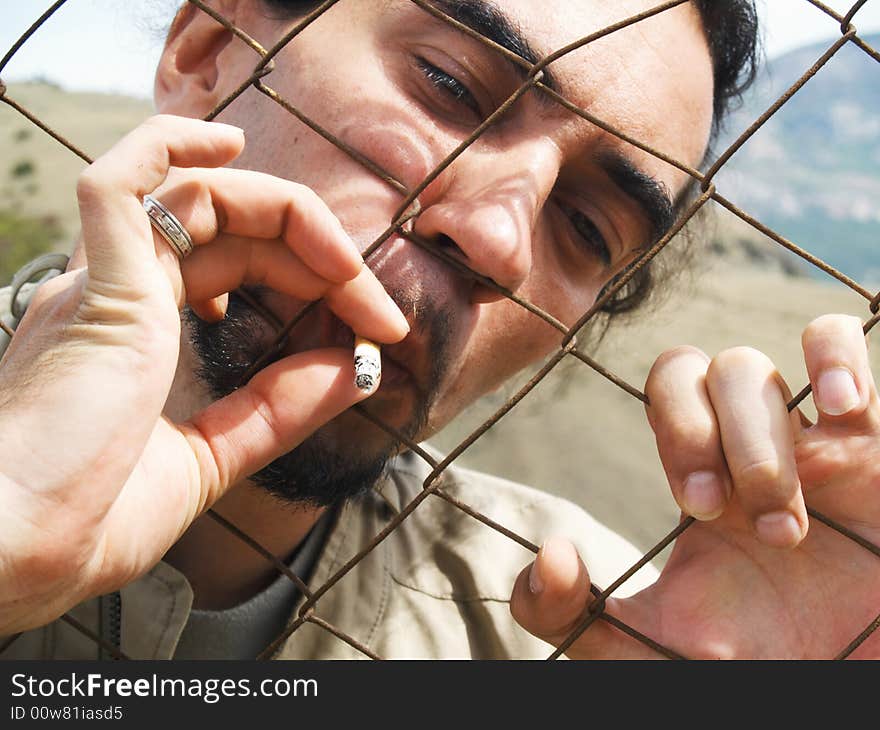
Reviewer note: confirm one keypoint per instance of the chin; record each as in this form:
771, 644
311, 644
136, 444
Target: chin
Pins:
352, 434
339, 462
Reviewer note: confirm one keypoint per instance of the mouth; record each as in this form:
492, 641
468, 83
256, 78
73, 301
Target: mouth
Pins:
404, 364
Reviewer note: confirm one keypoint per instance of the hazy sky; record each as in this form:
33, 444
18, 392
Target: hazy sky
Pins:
112, 45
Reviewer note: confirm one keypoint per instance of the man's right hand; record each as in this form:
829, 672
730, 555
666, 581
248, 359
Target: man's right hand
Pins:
95, 483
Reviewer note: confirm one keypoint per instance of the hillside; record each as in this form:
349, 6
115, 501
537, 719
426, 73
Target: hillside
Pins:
93, 122
38, 209
813, 171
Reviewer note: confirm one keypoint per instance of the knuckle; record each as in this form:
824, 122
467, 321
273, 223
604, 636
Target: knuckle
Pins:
757, 475
155, 128
159, 122
301, 205
739, 358
670, 359
90, 184
306, 199
687, 436
152, 139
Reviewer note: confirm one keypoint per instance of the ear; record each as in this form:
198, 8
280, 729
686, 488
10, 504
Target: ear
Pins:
188, 78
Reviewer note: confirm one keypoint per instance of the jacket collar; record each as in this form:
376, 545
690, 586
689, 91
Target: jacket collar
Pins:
395, 486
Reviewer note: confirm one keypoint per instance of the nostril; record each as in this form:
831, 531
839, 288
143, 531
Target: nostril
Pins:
460, 258
485, 289
444, 241
447, 245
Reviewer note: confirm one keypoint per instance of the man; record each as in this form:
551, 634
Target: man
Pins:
100, 485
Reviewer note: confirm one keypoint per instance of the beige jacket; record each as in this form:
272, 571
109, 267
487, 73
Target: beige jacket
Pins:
437, 587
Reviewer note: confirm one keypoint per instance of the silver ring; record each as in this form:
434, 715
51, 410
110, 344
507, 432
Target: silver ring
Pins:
171, 229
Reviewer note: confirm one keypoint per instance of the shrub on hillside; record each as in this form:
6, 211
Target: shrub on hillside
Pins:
22, 238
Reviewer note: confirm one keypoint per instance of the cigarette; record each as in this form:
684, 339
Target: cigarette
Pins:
367, 364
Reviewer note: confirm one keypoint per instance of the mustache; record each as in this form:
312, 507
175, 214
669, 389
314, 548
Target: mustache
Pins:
228, 348
436, 323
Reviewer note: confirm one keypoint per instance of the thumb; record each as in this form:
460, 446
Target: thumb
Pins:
279, 407
231, 439
551, 598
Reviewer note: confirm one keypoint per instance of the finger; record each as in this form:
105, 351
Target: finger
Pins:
211, 310
687, 433
799, 420
279, 408
551, 598
117, 235
257, 205
365, 306
78, 255
836, 355
758, 441
362, 303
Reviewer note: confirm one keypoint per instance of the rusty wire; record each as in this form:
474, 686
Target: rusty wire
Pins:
401, 225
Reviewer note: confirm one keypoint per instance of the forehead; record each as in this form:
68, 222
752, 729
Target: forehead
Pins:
651, 80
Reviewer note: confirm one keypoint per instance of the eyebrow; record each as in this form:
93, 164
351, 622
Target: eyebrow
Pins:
492, 23
650, 194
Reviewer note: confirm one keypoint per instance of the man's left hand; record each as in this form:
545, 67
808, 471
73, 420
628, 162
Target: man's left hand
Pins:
754, 577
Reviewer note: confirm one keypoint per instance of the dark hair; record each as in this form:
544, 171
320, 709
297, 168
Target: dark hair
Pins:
731, 28
732, 32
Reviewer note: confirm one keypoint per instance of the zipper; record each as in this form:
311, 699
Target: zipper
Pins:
111, 622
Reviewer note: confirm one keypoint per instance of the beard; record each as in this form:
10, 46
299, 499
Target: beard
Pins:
331, 465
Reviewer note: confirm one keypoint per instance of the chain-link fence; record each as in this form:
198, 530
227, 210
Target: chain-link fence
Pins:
568, 348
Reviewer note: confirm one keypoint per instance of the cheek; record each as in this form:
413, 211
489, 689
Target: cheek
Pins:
394, 143
563, 284
362, 199
505, 340
376, 121
360, 101
515, 337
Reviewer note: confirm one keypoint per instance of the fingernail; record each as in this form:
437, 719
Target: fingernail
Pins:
536, 581
353, 249
231, 127
704, 495
836, 392
778, 529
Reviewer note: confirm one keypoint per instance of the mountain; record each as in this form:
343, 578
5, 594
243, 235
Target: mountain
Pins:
812, 172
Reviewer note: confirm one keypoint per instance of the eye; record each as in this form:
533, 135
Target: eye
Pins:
588, 233
448, 85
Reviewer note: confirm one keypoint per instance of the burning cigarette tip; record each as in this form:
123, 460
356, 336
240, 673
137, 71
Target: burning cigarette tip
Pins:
367, 364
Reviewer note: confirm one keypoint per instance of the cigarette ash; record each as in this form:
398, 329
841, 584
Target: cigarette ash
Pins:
365, 381
367, 364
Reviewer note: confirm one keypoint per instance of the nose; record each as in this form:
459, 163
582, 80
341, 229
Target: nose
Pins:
484, 210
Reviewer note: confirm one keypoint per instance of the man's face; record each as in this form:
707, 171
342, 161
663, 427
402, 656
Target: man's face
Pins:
544, 203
